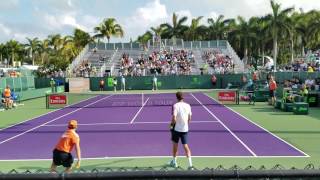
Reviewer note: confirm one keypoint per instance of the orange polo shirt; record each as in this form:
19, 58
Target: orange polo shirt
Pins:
67, 141
7, 93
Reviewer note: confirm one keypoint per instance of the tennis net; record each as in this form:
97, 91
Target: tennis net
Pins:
89, 100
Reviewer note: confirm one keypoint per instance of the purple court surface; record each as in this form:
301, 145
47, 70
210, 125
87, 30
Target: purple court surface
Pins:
143, 131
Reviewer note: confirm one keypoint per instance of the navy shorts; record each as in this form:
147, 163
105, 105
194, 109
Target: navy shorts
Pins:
62, 158
271, 93
175, 136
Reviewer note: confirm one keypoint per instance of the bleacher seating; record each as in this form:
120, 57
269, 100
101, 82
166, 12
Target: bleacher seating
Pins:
98, 59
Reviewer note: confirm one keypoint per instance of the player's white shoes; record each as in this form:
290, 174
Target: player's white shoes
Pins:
173, 164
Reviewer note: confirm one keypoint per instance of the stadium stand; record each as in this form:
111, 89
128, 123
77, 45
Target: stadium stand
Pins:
98, 59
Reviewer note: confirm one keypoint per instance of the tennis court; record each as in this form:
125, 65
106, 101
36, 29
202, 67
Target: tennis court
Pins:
137, 126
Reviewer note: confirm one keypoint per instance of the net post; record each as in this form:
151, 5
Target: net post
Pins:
237, 96
47, 103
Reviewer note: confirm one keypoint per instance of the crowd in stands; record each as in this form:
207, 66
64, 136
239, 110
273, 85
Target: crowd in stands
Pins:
296, 83
85, 69
50, 73
302, 65
221, 63
158, 62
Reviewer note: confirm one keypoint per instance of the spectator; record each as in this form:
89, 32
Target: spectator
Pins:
309, 82
115, 83
101, 84
272, 89
123, 83
7, 98
52, 85
154, 83
304, 92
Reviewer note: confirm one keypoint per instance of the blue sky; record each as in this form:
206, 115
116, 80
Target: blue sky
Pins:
39, 18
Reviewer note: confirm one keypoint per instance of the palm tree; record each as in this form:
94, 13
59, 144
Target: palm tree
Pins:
313, 31
44, 50
81, 38
108, 28
143, 40
176, 29
195, 29
55, 41
69, 50
246, 33
158, 31
263, 36
2, 52
218, 28
15, 49
278, 24
33, 46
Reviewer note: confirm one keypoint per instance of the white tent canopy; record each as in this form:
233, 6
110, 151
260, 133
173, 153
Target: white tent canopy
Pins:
30, 67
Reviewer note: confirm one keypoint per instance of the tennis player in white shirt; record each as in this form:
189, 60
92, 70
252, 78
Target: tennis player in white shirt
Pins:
181, 117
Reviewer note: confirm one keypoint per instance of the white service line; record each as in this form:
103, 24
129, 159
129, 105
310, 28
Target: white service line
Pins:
169, 122
234, 135
46, 113
115, 123
52, 120
261, 127
136, 115
86, 124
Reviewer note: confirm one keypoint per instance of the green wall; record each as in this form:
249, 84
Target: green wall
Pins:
164, 82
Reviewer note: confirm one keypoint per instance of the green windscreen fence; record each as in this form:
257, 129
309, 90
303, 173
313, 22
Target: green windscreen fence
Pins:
45, 82
163, 82
196, 81
18, 84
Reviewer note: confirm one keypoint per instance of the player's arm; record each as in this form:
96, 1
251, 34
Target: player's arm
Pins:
78, 150
189, 116
174, 118
174, 115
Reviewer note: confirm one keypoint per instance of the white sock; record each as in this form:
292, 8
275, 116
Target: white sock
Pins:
175, 160
190, 161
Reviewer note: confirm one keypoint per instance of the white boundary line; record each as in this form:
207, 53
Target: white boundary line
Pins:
234, 135
142, 157
169, 122
306, 155
86, 124
46, 113
13, 137
136, 115
96, 124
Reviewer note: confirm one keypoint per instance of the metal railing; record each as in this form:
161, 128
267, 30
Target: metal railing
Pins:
220, 172
75, 63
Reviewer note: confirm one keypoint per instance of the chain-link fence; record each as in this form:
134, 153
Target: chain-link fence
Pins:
278, 171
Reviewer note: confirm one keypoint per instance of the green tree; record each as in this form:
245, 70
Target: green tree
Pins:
108, 28
15, 50
246, 33
195, 30
33, 47
278, 24
143, 39
81, 38
176, 29
218, 28
158, 31
312, 30
2, 52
